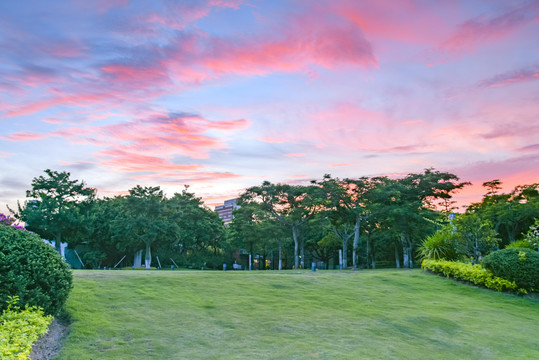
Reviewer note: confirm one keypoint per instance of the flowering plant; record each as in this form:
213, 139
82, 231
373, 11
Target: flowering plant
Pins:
532, 236
9, 221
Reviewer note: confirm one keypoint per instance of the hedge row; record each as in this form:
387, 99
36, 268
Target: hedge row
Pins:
19, 329
471, 273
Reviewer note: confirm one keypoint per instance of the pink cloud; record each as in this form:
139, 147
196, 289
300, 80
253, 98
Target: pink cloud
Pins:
344, 165
125, 161
76, 100
137, 76
295, 155
510, 78
482, 29
272, 140
403, 21
531, 148
23, 136
188, 177
52, 121
4, 154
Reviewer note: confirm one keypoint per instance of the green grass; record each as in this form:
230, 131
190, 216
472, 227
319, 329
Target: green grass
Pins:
382, 314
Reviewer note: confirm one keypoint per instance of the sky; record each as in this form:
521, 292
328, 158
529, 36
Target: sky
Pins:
221, 95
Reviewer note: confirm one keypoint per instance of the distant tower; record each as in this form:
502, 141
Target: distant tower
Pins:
225, 211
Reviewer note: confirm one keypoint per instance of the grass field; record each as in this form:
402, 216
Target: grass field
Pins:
383, 314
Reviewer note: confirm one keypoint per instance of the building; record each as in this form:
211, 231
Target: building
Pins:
225, 211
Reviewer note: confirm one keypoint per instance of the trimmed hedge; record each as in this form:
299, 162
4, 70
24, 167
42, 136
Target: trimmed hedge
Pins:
468, 272
19, 329
32, 270
520, 265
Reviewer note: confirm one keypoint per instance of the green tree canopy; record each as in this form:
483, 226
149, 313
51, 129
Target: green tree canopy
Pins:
56, 208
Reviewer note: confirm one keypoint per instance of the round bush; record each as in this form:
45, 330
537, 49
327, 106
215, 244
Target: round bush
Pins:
520, 265
32, 270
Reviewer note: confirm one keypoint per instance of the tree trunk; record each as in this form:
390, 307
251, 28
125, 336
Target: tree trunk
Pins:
148, 256
137, 259
280, 256
296, 246
405, 250
397, 259
58, 243
355, 249
345, 252
302, 255
367, 251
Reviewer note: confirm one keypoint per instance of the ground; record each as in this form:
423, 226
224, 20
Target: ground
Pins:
50, 344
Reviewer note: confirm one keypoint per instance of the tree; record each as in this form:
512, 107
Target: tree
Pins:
510, 214
346, 200
142, 219
405, 204
256, 231
291, 205
55, 211
193, 231
474, 237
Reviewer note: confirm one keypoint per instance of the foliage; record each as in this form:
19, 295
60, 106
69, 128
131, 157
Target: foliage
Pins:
20, 328
519, 265
532, 236
32, 270
142, 220
521, 244
345, 209
440, 245
292, 205
511, 213
468, 272
474, 236
57, 206
405, 206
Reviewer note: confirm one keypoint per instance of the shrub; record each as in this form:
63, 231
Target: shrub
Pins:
520, 265
520, 244
438, 246
532, 236
32, 270
20, 329
468, 272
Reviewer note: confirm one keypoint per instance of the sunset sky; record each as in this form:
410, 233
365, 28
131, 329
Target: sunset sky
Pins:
221, 95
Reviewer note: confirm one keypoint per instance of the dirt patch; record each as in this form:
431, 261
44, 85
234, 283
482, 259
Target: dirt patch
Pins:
49, 345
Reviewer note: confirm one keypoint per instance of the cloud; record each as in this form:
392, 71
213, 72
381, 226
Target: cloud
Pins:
486, 28
513, 77
534, 147
124, 161
272, 140
189, 177
23, 136
4, 154
344, 165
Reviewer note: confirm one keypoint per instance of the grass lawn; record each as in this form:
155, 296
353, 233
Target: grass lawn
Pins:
382, 314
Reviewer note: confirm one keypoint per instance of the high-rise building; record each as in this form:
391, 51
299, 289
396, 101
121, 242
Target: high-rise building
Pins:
225, 211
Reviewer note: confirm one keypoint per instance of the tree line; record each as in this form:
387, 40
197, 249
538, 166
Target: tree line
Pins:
369, 222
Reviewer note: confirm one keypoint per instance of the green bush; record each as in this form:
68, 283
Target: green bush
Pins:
468, 272
520, 244
520, 265
32, 270
19, 329
439, 245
